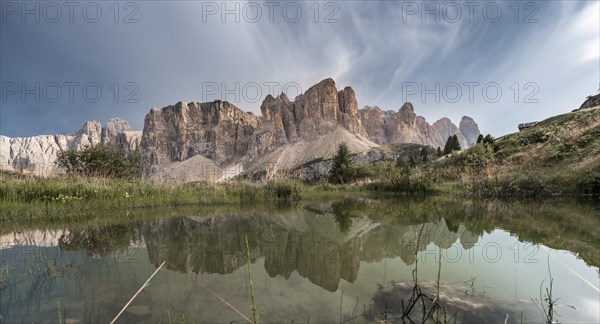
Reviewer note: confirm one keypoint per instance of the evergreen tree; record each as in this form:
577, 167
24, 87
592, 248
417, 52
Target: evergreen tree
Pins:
479, 138
455, 143
424, 155
451, 145
489, 139
439, 152
342, 163
448, 146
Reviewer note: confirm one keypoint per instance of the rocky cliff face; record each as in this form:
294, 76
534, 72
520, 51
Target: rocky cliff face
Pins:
469, 128
228, 136
404, 126
37, 154
316, 112
218, 131
446, 128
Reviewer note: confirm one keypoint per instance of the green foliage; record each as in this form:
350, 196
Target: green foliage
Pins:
342, 170
479, 138
452, 145
505, 187
392, 178
563, 151
76, 197
532, 136
490, 141
282, 191
415, 157
477, 157
100, 160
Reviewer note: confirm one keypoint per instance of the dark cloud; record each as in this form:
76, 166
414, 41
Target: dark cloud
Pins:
373, 46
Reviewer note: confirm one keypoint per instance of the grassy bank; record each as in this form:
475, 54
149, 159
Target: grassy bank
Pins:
68, 197
558, 156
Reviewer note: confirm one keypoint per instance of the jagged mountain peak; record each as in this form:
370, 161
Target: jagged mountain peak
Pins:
469, 128
407, 107
405, 126
220, 136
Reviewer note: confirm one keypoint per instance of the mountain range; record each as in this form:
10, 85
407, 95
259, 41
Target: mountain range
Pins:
217, 140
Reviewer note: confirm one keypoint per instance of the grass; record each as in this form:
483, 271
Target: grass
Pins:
558, 156
63, 198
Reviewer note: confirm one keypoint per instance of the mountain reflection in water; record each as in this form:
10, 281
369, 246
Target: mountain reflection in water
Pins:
371, 244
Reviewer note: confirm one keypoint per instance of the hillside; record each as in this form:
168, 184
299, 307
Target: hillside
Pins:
558, 155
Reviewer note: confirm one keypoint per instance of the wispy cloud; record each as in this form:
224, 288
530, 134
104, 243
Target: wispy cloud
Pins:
171, 52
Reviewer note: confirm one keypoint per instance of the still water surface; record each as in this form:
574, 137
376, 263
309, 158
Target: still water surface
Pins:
329, 261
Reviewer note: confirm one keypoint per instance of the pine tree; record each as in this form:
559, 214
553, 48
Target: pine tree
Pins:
455, 143
424, 155
452, 144
479, 138
489, 139
448, 146
342, 163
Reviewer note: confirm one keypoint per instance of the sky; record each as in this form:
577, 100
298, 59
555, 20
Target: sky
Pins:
502, 63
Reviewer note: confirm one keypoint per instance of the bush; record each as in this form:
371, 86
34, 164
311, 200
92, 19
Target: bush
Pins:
477, 159
100, 160
280, 191
490, 141
402, 179
522, 187
532, 137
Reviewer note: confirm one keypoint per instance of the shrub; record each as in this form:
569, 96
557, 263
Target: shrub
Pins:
100, 160
402, 179
504, 187
532, 137
283, 191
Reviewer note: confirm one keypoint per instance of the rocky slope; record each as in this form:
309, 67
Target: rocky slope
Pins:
37, 154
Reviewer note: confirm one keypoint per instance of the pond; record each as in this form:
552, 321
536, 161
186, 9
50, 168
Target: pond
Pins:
348, 260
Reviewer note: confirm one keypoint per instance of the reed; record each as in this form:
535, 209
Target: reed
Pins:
254, 317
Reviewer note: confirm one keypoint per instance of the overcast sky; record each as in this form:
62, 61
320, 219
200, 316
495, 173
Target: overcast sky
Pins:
448, 58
